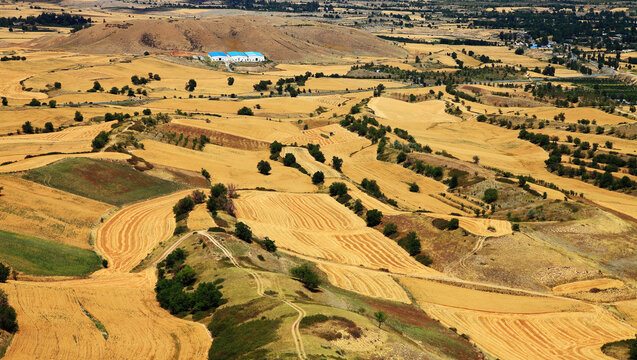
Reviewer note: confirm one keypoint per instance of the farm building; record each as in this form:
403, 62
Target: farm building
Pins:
254, 56
236, 56
218, 56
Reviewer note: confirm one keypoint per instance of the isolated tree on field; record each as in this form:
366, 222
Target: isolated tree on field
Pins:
5, 271
381, 317
97, 86
191, 85
413, 187
57, 85
5, 102
490, 195
318, 178
52, 104
289, 159
34, 102
358, 206
205, 174
243, 232
78, 116
245, 111
338, 189
373, 217
476, 159
269, 245
230, 81
264, 167
48, 127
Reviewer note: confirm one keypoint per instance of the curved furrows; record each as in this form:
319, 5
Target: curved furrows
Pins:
576, 335
128, 236
364, 282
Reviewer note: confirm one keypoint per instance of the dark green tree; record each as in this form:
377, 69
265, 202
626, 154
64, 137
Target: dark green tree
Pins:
318, 178
264, 167
305, 274
373, 217
243, 232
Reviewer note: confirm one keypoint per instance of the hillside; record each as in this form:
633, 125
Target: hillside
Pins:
277, 38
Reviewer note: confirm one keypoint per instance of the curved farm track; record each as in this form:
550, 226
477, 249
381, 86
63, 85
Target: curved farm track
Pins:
58, 320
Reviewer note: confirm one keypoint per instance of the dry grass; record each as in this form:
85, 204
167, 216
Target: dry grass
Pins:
200, 219
587, 285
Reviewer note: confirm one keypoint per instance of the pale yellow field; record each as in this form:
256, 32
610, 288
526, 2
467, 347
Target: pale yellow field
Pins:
586, 285
75, 139
11, 119
521, 327
227, 165
200, 219
571, 115
30, 208
500, 148
304, 159
479, 226
252, 127
394, 181
133, 232
315, 225
366, 282
416, 114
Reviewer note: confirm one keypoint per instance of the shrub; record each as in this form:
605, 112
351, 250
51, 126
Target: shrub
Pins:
338, 189
264, 167
180, 229
243, 232
186, 276
411, 243
8, 317
268, 245
5, 271
358, 206
401, 157
206, 297
184, 206
318, 178
52, 104
307, 276
245, 111
373, 217
490, 195
337, 163
27, 128
100, 140
34, 102
515, 227
413, 187
191, 85
452, 224
230, 81
424, 259
198, 197
289, 160
390, 229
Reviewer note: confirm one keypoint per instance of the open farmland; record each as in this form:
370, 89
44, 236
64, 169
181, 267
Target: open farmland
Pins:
331, 233
48, 213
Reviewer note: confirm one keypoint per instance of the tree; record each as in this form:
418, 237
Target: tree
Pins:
264, 167
338, 189
57, 85
373, 217
48, 127
390, 229
191, 85
632, 350
100, 140
606, 180
358, 206
230, 81
289, 159
337, 163
269, 245
401, 157
146, 112
34, 102
243, 232
78, 116
318, 178
8, 315
307, 276
245, 111
275, 148
186, 276
453, 182
5, 271
206, 297
490, 195
381, 317
198, 196
411, 243
205, 174
5, 102
97, 86
53, 104
27, 128
519, 51
452, 224
476, 159
184, 206
413, 187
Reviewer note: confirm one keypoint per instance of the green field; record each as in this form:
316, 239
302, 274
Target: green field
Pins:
107, 181
36, 256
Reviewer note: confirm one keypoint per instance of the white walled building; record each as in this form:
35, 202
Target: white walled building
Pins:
254, 56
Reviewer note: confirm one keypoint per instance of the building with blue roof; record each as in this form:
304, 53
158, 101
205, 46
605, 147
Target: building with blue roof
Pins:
254, 56
237, 56
218, 56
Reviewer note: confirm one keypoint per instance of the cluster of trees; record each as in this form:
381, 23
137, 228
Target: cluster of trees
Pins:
221, 198
46, 19
278, 6
173, 277
27, 128
305, 274
245, 111
367, 127
13, 58
140, 80
262, 85
8, 317
128, 91
100, 140
315, 151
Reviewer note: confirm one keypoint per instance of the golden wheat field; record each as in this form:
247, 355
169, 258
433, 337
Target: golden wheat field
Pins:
200, 219
587, 285
48, 213
315, 225
304, 159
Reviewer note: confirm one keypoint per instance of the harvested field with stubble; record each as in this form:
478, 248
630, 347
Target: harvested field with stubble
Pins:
127, 237
48, 213
316, 226
363, 281
216, 137
200, 219
304, 159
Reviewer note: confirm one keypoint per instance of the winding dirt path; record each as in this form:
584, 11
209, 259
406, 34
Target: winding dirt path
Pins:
296, 333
